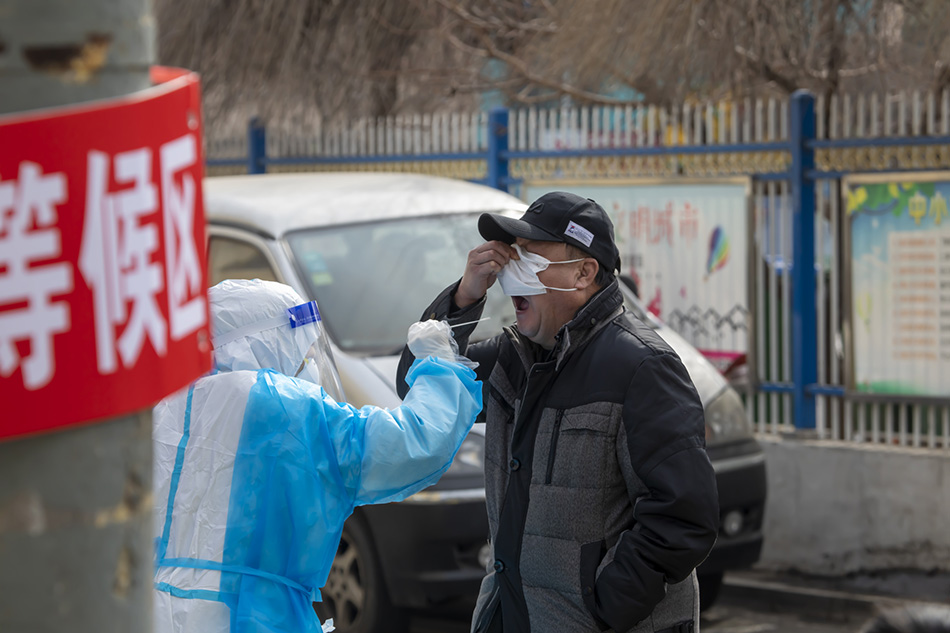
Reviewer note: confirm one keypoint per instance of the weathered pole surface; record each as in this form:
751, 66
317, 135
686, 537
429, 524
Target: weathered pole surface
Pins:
75, 505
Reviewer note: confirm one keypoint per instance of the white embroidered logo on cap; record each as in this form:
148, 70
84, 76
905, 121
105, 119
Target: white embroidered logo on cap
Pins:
579, 233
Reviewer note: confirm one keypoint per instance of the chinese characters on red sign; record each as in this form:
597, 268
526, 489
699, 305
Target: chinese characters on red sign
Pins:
102, 264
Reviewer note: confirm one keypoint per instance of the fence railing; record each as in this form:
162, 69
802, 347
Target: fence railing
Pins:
795, 152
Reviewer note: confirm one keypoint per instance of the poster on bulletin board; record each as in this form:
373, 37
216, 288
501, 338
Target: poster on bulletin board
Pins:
900, 282
685, 242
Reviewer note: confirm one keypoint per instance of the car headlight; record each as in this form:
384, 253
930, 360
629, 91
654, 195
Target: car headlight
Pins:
470, 459
726, 419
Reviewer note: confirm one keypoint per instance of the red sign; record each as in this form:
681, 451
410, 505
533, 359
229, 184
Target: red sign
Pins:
103, 308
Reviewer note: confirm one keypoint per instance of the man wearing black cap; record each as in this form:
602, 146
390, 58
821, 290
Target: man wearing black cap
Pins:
601, 499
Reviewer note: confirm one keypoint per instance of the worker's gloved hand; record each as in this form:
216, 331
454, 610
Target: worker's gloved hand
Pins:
434, 338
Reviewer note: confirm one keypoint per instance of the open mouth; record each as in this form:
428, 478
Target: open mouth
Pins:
521, 304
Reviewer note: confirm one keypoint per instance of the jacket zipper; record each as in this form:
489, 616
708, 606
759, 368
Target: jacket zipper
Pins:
553, 451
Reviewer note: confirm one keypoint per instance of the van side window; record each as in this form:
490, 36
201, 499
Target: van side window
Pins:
233, 259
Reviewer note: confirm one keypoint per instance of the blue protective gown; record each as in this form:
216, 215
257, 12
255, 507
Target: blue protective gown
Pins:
255, 474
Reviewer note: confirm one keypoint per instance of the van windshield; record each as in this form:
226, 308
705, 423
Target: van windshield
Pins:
373, 280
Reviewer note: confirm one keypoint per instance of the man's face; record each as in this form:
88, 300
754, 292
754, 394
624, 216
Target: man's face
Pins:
541, 316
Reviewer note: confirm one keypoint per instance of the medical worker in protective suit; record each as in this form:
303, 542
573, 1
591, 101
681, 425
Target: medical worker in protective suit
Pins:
256, 469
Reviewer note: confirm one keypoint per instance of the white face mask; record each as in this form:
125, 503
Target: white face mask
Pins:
519, 278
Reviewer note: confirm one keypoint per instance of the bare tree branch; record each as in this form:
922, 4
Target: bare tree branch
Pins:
314, 61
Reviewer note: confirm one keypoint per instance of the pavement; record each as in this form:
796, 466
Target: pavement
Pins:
854, 597
758, 601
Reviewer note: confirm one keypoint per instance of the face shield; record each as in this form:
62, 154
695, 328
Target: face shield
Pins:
316, 362
292, 343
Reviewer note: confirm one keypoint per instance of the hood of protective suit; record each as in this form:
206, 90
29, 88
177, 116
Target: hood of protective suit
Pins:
250, 326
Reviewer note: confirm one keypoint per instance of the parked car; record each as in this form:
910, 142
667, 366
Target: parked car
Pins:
373, 250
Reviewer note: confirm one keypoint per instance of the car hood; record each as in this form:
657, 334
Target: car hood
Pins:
384, 367
707, 380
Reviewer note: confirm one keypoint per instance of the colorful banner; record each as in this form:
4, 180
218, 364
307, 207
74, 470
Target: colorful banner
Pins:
102, 257
900, 283
685, 245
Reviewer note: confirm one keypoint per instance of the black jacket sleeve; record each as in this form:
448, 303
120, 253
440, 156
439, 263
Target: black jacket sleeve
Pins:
483, 353
677, 519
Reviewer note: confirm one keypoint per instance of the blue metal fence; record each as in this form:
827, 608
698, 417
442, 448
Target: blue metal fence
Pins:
795, 154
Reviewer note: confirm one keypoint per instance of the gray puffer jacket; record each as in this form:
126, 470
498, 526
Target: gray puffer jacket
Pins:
601, 498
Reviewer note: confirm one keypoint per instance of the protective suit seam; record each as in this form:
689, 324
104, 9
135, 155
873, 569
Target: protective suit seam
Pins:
175, 479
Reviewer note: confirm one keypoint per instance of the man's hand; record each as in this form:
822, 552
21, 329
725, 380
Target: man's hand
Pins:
483, 264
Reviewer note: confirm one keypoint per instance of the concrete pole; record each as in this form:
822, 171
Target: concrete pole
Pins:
76, 505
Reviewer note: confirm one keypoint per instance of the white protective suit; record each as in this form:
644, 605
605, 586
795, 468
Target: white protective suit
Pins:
255, 471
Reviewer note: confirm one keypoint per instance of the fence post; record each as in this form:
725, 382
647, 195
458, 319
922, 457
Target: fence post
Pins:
804, 344
256, 146
497, 176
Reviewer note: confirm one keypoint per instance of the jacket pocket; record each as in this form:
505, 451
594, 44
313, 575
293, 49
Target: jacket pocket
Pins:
552, 451
489, 618
591, 555
498, 430
503, 404
582, 452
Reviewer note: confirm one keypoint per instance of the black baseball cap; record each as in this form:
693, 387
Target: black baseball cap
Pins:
559, 217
